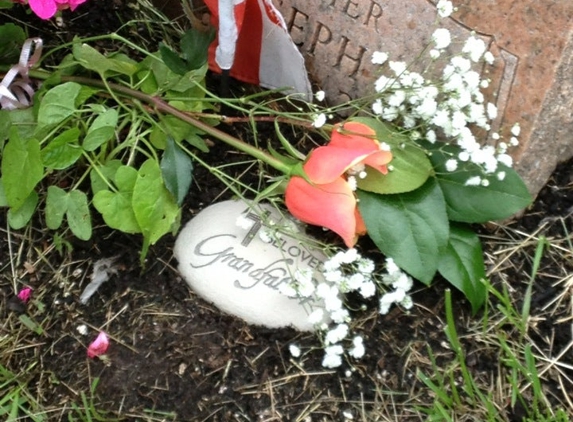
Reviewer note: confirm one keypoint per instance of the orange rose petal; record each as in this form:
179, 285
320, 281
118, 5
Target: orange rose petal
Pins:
354, 139
378, 160
360, 225
329, 205
326, 164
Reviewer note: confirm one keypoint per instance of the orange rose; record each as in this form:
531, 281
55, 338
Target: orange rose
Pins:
328, 198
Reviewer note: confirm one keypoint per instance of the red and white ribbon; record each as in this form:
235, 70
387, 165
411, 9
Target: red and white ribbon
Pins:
16, 89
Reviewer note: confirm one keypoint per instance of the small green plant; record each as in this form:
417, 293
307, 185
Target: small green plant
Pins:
16, 402
457, 392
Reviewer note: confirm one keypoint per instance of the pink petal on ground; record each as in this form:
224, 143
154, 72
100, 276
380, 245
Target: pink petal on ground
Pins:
25, 294
99, 346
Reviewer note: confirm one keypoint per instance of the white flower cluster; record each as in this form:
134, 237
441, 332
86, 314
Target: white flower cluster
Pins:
450, 107
345, 272
401, 282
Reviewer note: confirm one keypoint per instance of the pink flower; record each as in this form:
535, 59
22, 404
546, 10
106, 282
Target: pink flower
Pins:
99, 346
25, 294
327, 199
46, 9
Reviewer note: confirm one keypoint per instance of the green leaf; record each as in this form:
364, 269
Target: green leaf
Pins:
107, 171
92, 59
101, 130
195, 47
154, 207
63, 150
74, 205
12, 37
18, 218
177, 170
57, 105
116, 207
56, 207
463, 266
412, 228
78, 215
478, 204
181, 131
5, 123
410, 166
31, 325
3, 200
22, 168
23, 120
172, 60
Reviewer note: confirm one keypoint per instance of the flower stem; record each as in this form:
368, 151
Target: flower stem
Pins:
162, 106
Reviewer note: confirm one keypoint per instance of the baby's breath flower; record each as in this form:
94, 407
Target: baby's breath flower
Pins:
318, 120
367, 289
491, 111
500, 175
319, 95
352, 182
513, 141
475, 48
333, 276
445, 8
451, 165
434, 54
365, 265
397, 67
473, 181
516, 129
377, 107
316, 316
244, 222
488, 57
265, 235
403, 282
441, 38
349, 256
407, 302
464, 156
505, 159
431, 136
379, 57
358, 350
294, 350
337, 334
332, 358
382, 83
340, 315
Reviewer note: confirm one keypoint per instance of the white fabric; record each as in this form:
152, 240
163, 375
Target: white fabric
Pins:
282, 64
225, 53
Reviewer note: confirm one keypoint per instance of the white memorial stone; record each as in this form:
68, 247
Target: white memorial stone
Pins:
237, 257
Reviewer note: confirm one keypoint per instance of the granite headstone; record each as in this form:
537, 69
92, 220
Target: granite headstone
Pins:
531, 80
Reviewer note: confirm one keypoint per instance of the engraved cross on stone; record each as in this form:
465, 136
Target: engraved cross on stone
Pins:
255, 228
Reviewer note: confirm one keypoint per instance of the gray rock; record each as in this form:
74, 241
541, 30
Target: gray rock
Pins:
230, 265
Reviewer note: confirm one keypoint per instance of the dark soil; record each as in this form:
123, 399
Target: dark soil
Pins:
172, 352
